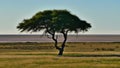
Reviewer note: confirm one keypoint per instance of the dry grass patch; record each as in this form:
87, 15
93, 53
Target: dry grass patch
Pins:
76, 55
57, 62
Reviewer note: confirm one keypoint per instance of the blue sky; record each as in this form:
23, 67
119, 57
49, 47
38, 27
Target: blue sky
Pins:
104, 15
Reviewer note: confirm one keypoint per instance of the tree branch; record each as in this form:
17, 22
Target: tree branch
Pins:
53, 37
56, 42
65, 38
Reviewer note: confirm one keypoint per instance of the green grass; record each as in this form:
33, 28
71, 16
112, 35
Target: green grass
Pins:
44, 55
57, 62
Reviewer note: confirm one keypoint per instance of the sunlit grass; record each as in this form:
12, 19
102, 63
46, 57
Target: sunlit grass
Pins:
57, 62
76, 55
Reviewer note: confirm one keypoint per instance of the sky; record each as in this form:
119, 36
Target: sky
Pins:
104, 15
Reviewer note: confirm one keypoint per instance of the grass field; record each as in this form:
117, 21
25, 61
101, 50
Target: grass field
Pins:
44, 55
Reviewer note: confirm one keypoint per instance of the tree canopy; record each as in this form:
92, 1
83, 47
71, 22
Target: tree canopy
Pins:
54, 21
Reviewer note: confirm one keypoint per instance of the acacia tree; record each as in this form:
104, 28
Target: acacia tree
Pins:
53, 22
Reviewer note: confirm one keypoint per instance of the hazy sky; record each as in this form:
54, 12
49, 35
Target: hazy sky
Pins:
104, 15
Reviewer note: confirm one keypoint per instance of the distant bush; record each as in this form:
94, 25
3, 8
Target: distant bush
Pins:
104, 49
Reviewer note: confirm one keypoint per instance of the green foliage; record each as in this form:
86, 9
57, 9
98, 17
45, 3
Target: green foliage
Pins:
54, 21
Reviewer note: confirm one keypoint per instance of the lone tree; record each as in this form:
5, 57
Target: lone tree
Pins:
53, 22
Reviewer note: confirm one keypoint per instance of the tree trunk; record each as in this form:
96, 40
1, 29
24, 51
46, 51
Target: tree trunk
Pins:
60, 49
60, 52
63, 45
